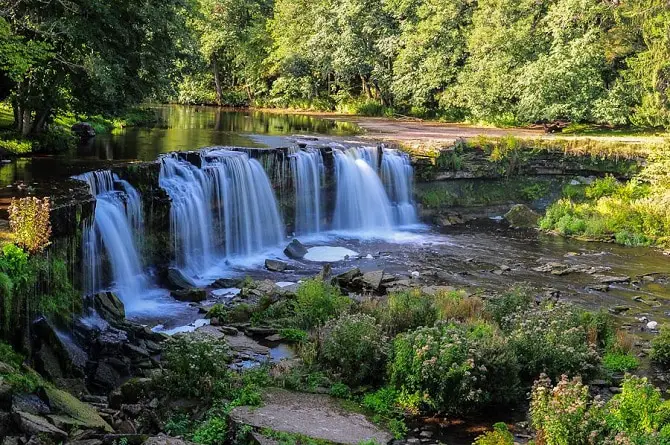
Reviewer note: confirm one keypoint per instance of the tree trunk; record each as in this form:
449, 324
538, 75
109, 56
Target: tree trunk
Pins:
366, 87
40, 121
380, 94
217, 81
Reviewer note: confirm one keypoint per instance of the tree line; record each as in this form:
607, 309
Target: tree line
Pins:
499, 61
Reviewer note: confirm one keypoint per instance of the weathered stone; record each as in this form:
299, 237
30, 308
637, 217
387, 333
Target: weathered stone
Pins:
5, 396
109, 307
345, 279
106, 376
11, 440
57, 354
190, 295
372, 280
613, 280
162, 439
130, 439
6, 424
522, 217
275, 265
295, 250
226, 283
81, 414
84, 130
30, 403
178, 280
313, 415
619, 309
31, 424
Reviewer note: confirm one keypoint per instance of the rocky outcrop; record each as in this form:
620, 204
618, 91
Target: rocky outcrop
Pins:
275, 265
84, 130
109, 307
295, 250
194, 295
177, 280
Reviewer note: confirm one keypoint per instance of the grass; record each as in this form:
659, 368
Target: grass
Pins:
6, 115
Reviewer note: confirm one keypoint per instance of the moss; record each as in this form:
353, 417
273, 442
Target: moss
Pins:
85, 415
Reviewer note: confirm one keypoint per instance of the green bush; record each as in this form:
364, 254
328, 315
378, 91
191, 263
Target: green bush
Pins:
407, 310
316, 302
16, 146
354, 347
195, 365
455, 367
499, 436
552, 339
212, 431
618, 362
30, 223
660, 347
515, 300
384, 404
606, 186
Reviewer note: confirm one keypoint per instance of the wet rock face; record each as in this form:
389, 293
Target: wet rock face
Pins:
109, 307
522, 217
275, 265
84, 130
190, 295
295, 250
177, 280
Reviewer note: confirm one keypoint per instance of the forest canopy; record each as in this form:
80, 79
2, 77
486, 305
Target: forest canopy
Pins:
498, 61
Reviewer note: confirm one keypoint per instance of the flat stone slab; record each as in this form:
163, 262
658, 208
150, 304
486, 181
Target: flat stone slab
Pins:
314, 415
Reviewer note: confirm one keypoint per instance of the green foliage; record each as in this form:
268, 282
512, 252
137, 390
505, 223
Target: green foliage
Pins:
340, 390
12, 372
618, 362
455, 368
385, 405
316, 302
565, 414
294, 335
16, 146
194, 366
499, 436
661, 347
406, 310
353, 347
515, 300
212, 431
552, 339
30, 223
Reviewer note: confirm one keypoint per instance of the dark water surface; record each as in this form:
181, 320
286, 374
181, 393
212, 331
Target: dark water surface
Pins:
179, 128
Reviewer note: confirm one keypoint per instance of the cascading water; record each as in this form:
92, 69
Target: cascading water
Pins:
191, 224
374, 189
361, 201
116, 212
308, 171
247, 208
397, 175
225, 207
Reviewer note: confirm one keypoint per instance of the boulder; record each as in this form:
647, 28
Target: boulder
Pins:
295, 250
275, 265
316, 416
109, 307
372, 280
226, 283
84, 130
191, 295
5, 396
6, 424
74, 412
522, 217
345, 279
57, 354
178, 280
31, 424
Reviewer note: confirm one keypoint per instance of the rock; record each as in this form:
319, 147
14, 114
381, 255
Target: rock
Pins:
83, 415
31, 404
177, 280
313, 415
598, 287
31, 424
109, 307
162, 439
275, 265
326, 273
522, 217
5, 396
652, 325
372, 280
613, 280
226, 283
619, 309
84, 130
6, 424
194, 295
57, 354
129, 439
345, 279
106, 376
11, 440
295, 250
415, 274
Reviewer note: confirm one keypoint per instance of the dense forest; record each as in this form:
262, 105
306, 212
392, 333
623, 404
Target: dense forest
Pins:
498, 61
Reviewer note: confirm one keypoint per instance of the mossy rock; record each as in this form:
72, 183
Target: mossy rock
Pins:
522, 217
73, 411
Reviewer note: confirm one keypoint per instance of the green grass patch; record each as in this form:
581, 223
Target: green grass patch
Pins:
620, 362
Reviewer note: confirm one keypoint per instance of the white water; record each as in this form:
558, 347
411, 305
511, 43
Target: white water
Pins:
374, 190
225, 208
308, 177
116, 212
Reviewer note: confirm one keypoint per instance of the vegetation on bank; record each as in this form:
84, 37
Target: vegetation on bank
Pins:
506, 62
633, 212
412, 354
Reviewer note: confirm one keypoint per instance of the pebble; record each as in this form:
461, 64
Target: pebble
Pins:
416, 274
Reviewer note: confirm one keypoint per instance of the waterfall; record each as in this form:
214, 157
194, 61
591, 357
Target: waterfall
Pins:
361, 201
374, 189
191, 224
307, 171
116, 213
225, 207
397, 176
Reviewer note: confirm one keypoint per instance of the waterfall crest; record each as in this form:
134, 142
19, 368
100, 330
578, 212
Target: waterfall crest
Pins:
308, 171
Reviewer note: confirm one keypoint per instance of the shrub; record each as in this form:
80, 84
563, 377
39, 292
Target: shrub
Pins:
407, 310
499, 436
552, 339
619, 362
455, 367
639, 409
660, 347
194, 365
515, 300
456, 306
294, 335
316, 302
212, 431
16, 146
563, 415
384, 404
29, 221
606, 186
354, 347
